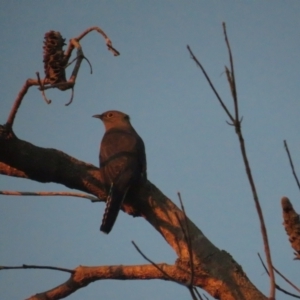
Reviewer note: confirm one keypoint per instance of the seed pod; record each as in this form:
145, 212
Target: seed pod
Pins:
54, 59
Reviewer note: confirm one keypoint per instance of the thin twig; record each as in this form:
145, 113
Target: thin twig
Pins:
71, 99
291, 163
154, 264
232, 76
276, 285
72, 194
188, 238
48, 101
237, 124
287, 280
238, 131
193, 295
197, 293
82, 35
37, 267
210, 83
90, 65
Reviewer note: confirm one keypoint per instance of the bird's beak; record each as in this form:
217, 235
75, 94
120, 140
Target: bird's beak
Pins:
98, 116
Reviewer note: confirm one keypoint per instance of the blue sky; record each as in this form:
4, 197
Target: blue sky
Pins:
189, 146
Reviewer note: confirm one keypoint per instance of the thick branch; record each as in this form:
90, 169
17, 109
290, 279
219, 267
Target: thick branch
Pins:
22, 159
225, 278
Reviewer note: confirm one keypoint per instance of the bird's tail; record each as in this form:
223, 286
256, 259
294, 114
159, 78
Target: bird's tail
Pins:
113, 204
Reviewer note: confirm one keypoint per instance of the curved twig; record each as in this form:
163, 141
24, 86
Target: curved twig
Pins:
48, 101
71, 99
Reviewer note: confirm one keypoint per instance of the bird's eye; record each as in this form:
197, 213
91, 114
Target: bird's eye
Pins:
109, 115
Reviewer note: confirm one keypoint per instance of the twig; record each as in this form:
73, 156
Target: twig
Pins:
187, 237
287, 280
71, 99
249, 173
276, 285
48, 101
107, 39
198, 294
232, 82
237, 124
291, 163
37, 267
154, 264
72, 194
28, 83
90, 65
210, 83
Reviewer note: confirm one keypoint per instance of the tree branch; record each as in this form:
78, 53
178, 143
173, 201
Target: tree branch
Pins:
236, 122
226, 278
84, 275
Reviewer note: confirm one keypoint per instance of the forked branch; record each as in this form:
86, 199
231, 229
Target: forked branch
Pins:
236, 122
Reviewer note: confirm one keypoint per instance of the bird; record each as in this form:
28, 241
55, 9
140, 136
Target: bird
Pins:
122, 160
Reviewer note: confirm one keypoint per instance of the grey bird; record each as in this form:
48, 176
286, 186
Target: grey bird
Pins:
122, 162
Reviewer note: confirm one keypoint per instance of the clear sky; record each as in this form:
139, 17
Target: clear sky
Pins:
189, 146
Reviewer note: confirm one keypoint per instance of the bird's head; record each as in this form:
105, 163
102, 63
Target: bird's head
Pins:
114, 119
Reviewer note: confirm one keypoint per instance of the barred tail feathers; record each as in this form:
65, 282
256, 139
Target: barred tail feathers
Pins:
113, 204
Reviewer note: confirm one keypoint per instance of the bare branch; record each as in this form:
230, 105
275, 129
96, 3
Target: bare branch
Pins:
232, 82
37, 267
291, 163
210, 83
276, 285
48, 101
28, 83
69, 194
287, 280
152, 262
187, 237
237, 124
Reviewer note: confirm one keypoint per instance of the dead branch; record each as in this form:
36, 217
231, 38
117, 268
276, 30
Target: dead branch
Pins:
68, 194
37, 267
276, 285
153, 263
291, 163
236, 122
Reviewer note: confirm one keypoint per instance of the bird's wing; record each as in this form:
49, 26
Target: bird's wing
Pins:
119, 163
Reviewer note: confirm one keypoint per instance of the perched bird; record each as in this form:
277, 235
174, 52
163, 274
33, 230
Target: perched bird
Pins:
122, 162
